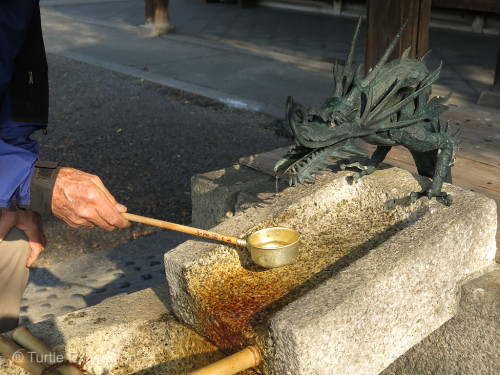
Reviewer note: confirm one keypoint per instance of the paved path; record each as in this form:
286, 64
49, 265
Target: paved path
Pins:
87, 280
253, 57
248, 58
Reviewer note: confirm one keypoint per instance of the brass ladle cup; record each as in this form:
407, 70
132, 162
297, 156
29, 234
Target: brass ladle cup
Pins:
270, 247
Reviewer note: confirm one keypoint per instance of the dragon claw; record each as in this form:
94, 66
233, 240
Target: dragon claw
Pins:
441, 196
364, 170
352, 165
415, 195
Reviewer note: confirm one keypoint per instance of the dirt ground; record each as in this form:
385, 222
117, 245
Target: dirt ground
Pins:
144, 141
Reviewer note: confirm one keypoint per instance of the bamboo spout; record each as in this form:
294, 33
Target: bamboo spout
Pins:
21, 357
240, 361
23, 336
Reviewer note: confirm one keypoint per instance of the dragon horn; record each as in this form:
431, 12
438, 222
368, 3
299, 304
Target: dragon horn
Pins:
432, 77
377, 116
339, 84
348, 62
368, 105
406, 53
425, 57
373, 73
338, 80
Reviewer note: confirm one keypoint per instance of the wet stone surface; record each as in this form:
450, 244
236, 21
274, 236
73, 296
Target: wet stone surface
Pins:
372, 265
237, 300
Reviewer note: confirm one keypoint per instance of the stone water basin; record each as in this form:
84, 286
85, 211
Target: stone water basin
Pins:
375, 274
236, 297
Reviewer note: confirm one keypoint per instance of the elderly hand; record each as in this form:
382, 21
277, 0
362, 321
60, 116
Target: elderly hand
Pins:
31, 223
81, 199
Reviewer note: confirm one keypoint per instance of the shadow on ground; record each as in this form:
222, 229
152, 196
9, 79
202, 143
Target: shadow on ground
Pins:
144, 140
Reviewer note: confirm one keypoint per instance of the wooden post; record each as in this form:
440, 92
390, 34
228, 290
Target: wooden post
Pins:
385, 17
150, 11
337, 7
491, 98
158, 13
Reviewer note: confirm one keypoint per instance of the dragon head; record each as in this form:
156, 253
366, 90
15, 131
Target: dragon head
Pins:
321, 126
320, 133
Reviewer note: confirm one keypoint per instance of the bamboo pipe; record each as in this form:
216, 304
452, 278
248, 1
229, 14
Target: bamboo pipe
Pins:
240, 361
21, 357
22, 336
185, 229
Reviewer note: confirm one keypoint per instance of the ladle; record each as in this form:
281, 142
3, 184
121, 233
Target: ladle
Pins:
270, 247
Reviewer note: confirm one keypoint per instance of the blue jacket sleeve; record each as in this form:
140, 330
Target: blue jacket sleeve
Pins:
18, 153
16, 169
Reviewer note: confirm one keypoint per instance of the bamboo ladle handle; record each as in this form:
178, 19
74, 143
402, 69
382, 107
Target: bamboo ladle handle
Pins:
185, 229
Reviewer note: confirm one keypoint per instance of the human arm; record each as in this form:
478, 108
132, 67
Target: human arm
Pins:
78, 198
81, 199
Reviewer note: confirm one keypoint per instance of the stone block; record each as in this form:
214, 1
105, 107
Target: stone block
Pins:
469, 343
219, 195
127, 334
489, 99
376, 274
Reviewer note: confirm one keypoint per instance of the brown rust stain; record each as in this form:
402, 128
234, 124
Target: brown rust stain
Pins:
235, 301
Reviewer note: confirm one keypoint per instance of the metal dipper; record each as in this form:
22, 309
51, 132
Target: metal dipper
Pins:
269, 247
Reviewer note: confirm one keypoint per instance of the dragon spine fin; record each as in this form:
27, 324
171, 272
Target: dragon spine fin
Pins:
406, 53
374, 72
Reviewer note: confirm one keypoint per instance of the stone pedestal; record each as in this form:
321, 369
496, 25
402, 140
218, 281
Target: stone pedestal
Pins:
378, 279
469, 343
375, 276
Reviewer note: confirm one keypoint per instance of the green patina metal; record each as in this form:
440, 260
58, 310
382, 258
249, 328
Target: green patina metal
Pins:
390, 106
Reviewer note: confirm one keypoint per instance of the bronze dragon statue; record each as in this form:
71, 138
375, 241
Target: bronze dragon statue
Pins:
388, 107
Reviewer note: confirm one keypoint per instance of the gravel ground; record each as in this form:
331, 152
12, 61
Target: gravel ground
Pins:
144, 141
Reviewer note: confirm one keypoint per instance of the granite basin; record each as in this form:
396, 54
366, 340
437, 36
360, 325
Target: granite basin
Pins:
376, 274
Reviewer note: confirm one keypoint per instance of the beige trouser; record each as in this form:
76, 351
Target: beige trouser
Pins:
14, 251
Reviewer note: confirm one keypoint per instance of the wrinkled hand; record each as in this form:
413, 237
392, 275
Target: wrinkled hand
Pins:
81, 199
31, 223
